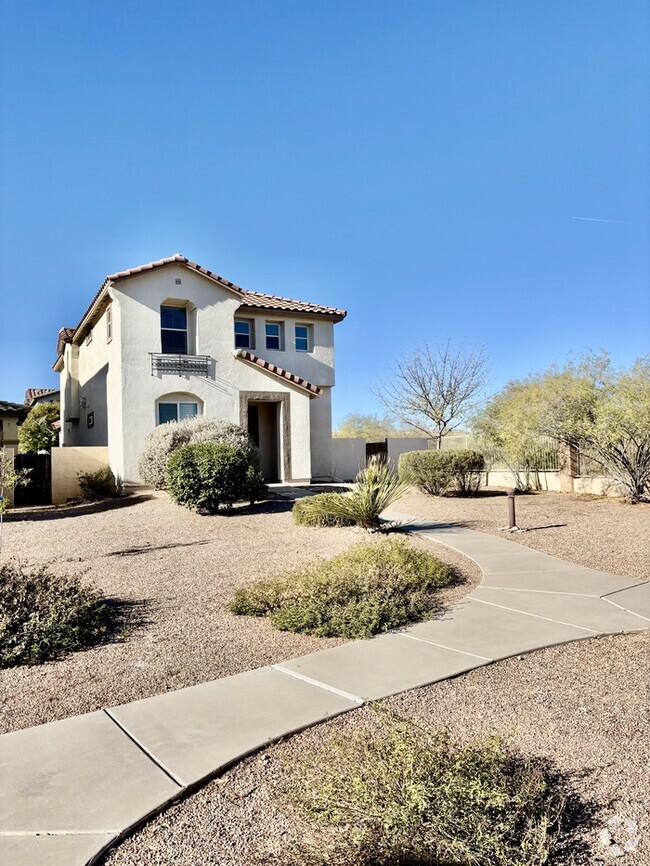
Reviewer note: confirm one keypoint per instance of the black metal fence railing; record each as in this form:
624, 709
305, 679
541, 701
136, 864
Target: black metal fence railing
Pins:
192, 365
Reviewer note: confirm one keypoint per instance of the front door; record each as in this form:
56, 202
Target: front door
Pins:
263, 427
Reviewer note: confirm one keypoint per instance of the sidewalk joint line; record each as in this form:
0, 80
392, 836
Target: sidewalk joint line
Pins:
146, 751
625, 609
443, 646
540, 616
347, 695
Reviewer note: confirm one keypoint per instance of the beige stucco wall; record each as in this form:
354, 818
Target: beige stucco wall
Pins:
9, 436
348, 457
120, 374
599, 486
67, 462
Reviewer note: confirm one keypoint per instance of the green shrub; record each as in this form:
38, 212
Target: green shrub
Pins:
99, 485
376, 488
207, 475
368, 589
436, 472
166, 438
393, 793
315, 511
43, 615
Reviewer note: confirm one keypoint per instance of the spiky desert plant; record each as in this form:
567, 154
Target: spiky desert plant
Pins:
375, 489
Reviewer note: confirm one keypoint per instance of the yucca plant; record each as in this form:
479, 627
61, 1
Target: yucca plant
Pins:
376, 488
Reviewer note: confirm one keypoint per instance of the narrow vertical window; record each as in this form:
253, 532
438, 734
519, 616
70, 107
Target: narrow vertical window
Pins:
303, 338
274, 335
173, 330
109, 323
243, 334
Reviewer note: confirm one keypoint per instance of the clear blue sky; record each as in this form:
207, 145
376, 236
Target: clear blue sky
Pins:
420, 164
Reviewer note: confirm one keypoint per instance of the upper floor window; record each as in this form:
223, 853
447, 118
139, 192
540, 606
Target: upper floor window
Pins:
109, 323
303, 338
244, 334
173, 330
89, 335
274, 336
176, 411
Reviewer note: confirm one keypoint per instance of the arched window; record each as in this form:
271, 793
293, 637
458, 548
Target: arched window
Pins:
177, 407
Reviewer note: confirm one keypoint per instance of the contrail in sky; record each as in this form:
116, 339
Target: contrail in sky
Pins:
596, 220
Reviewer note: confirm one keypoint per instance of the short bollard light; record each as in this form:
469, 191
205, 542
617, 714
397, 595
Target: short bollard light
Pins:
512, 520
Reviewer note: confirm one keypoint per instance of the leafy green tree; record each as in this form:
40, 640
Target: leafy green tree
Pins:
36, 432
589, 404
372, 428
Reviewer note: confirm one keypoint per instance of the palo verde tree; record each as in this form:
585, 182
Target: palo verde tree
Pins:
435, 388
37, 432
588, 404
370, 427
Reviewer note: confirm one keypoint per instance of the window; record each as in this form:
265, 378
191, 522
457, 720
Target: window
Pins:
109, 323
274, 336
303, 338
89, 336
173, 330
176, 411
244, 334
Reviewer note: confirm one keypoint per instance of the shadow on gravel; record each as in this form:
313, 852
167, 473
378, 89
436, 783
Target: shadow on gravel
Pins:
127, 617
548, 526
56, 512
148, 548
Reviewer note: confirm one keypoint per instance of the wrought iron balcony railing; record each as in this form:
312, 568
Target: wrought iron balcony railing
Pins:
192, 365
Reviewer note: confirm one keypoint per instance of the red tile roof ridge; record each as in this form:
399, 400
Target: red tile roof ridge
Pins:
178, 258
280, 372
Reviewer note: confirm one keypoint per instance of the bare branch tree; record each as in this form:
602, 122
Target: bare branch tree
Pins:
434, 389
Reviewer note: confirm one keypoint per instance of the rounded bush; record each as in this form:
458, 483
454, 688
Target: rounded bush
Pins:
166, 438
436, 472
314, 511
368, 589
206, 475
43, 615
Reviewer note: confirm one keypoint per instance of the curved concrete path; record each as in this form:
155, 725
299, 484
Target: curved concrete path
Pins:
71, 789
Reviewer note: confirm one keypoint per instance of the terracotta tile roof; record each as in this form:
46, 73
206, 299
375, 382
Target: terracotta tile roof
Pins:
32, 394
7, 408
245, 355
253, 300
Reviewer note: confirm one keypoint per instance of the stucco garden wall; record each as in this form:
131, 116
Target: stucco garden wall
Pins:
67, 462
348, 457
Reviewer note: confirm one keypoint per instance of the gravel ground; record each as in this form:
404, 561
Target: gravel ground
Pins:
583, 706
175, 572
597, 533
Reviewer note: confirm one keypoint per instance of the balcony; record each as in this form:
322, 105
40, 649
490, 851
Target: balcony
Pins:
181, 365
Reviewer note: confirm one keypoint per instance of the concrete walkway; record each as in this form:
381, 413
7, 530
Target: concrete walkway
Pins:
70, 789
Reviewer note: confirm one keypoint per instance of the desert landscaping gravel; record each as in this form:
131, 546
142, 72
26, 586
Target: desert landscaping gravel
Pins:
583, 705
176, 572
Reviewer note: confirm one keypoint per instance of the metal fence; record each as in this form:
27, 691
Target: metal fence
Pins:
541, 456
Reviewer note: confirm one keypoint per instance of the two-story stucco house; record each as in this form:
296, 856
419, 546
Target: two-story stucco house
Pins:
171, 340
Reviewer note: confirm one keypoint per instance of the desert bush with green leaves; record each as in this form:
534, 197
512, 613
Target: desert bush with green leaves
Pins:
369, 589
166, 438
387, 792
437, 472
208, 475
375, 489
43, 615
315, 511
101, 484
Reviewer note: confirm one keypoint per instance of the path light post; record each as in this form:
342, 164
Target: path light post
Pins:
512, 520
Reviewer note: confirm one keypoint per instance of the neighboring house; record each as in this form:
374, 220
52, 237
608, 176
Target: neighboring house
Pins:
12, 416
41, 395
171, 340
